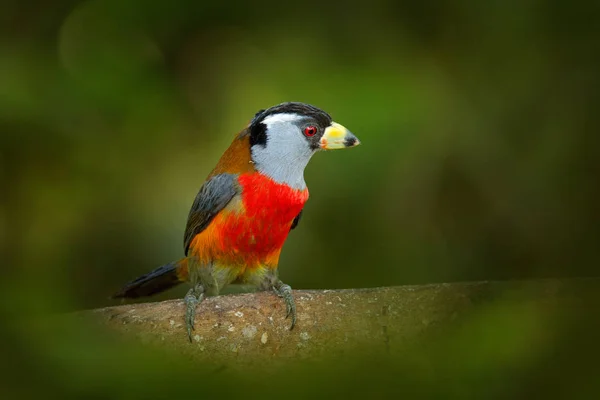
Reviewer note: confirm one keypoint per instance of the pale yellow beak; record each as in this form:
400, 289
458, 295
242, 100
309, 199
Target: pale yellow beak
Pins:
337, 137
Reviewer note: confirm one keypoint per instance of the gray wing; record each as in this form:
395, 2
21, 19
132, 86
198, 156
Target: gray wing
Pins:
212, 197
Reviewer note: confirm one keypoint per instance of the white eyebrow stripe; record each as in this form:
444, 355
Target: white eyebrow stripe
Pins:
275, 118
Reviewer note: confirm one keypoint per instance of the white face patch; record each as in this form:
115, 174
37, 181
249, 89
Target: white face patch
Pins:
287, 152
276, 118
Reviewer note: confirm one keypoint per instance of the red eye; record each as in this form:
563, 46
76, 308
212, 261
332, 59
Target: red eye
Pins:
310, 130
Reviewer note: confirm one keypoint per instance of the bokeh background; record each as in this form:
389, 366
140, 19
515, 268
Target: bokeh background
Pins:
480, 137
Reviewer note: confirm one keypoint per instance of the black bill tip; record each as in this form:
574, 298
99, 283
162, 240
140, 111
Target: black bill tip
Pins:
351, 142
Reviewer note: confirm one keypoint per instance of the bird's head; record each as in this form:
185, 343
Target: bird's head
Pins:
284, 137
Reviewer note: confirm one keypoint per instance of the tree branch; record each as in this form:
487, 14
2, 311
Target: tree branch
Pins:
251, 328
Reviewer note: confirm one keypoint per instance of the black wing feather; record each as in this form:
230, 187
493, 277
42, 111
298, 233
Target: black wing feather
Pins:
296, 220
212, 197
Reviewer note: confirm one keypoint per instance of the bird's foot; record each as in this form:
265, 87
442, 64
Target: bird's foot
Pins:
285, 291
193, 297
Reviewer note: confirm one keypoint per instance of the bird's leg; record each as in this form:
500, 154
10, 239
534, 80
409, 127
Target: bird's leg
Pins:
193, 297
285, 291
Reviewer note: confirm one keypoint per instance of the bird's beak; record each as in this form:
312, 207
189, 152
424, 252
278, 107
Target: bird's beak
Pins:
337, 137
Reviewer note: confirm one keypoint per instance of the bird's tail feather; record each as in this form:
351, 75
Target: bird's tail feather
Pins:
156, 281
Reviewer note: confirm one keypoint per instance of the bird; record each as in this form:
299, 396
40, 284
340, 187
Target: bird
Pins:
245, 209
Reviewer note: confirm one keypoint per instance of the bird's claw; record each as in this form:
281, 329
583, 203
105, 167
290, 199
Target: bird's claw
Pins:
193, 297
285, 291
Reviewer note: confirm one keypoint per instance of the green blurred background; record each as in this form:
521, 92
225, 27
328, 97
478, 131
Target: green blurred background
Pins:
479, 158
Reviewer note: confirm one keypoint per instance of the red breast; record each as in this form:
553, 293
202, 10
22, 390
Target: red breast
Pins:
260, 225
251, 230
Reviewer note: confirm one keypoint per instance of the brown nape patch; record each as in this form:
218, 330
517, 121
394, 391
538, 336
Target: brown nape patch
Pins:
236, 159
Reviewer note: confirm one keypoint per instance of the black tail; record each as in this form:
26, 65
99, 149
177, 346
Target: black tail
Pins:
161, 279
